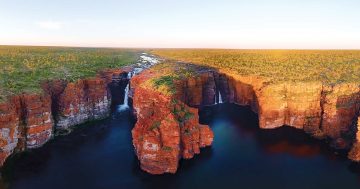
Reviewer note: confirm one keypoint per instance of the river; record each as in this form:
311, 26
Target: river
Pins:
101, 155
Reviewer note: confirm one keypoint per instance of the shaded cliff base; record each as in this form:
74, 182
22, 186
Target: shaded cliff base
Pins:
166, 100
324, 112
30, 120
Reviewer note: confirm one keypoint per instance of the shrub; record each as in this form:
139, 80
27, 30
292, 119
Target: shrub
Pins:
167, 148
155, 125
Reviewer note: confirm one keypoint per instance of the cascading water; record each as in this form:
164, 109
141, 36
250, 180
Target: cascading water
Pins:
145, 62
215, 100
220, 98
130, 74
125, 105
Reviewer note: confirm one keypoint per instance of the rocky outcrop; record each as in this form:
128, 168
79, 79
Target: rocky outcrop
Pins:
37, 119
25, 122
354, 154
314, 107
30, 120
320, 110
83, 101
9, 127
167, 129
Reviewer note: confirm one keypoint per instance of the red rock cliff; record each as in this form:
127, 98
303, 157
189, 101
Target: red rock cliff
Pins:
320, 110
167, 129
9, 127
29, 120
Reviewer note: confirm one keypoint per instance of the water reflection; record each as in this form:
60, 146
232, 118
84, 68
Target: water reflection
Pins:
101, 155
274, 141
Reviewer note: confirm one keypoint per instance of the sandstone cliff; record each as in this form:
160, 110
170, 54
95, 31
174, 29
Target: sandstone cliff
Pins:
324, 112
167, 129
30, 120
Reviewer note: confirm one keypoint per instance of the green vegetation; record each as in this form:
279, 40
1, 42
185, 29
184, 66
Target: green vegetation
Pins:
155, 125
327, 66
167, 148
166, 81
187, 132
164, 76
22, 69
181, 113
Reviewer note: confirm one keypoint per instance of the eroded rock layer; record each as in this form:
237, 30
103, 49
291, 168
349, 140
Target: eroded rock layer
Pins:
167, 129
320, 110
29, 120
166, 99
325, 112
9, 127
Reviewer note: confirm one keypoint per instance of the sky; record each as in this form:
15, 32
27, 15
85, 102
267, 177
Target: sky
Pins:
250, 24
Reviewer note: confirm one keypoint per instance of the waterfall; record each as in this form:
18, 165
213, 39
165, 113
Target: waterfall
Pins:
220, 98
215, 100
126, 97
130, 74
145, 61
125, 104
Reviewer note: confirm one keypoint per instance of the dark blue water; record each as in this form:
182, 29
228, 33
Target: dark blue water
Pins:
100, 155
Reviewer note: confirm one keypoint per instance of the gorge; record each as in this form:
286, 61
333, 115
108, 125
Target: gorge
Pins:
323, 112
168, 109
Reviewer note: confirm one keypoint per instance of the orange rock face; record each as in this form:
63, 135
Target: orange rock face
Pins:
83, 101
166, 129
29, 120
321, 111
25, 122
38, 119
9, 127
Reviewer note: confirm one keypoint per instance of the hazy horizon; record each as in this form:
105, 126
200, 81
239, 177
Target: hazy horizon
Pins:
226, 24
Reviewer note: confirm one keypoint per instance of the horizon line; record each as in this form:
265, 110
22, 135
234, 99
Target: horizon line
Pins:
169, 48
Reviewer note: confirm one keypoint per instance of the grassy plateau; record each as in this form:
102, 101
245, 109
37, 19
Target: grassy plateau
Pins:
22, 69
328, 66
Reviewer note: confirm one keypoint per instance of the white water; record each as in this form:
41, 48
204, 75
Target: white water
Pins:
215, 100
220, 98
130, 74
125, 104
145, 62
149, 59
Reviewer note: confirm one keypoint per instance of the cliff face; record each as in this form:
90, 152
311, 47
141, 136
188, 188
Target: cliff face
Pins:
9, 127
29, 120
166, 129
321, 111
82, 101
37, 119
354, 154
317, 109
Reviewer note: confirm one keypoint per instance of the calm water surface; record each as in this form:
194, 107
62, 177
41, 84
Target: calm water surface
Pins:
100, 155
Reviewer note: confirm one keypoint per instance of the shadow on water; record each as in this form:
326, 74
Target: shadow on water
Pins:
100, 155
281, 140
